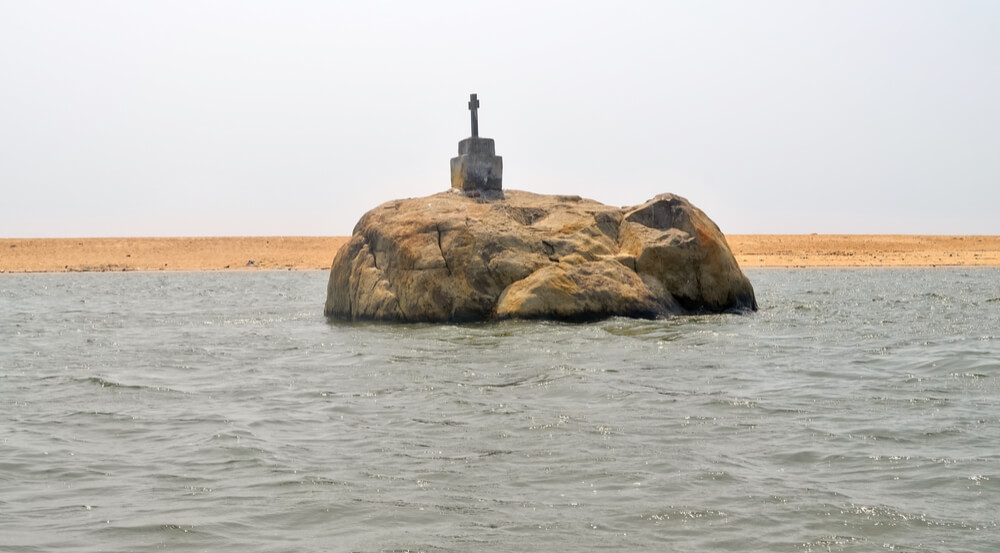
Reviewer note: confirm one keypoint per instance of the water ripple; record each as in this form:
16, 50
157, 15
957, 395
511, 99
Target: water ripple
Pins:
857, 410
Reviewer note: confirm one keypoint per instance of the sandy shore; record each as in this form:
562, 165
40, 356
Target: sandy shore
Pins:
857, 250
167, 254
308, 252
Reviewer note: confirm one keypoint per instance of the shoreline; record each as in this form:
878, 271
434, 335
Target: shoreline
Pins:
62, 255
47, 255
864, 250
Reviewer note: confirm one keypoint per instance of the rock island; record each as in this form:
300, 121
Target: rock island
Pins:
479, 253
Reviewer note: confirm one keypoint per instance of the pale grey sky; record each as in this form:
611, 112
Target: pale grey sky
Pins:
245, 117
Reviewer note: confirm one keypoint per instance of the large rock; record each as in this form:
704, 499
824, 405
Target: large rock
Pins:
449, 257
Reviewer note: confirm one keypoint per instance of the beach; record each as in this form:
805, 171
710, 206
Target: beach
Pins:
21, 255
168, 254
860, 250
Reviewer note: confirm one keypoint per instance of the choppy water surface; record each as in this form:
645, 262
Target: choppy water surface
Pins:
859, 410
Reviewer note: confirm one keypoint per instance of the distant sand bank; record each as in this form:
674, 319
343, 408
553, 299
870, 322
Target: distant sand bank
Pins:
857, 250
309, 252
167, 254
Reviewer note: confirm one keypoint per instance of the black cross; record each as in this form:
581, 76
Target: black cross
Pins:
473, 106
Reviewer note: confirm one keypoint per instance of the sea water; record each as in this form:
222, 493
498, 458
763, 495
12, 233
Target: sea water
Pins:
858, 410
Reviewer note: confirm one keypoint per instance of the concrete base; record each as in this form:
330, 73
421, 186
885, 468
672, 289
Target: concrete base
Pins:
476, 167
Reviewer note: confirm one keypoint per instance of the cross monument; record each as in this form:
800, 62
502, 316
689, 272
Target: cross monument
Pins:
477, 169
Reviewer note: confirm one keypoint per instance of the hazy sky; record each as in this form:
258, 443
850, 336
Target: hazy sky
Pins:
212, 118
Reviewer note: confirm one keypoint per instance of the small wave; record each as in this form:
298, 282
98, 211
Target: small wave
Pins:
445, 422
151, 529
886, 515
684, 513
105, 383
834, 543
536, 380
972, 375
640, 328
735, 402
495, 452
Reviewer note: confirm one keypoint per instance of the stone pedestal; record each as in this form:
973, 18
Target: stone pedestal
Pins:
477, 166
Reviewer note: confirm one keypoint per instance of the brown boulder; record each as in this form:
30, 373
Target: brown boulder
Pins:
449, 257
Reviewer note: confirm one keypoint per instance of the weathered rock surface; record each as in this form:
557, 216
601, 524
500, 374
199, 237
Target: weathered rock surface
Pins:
448, 257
